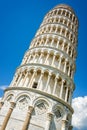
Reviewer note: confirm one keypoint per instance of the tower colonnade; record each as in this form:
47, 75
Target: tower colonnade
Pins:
52, 58
55, 42
43, 85
41, 79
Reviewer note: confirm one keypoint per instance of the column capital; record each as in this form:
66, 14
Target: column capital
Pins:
42, 72
66, 59
63, 81
30, 109
48, 53
64, 123
50, 73
42, 51
12, 105
55, 54
57, 76
61, 56
49, 116
1, 104
35, 72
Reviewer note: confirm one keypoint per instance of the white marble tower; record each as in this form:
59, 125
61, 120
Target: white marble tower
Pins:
40, 94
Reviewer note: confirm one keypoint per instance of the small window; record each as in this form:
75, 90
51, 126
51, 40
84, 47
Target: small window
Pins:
35, 85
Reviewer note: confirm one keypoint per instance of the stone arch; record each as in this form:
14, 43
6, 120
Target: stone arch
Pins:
22, 94
38, 69
9, 94
32, 68
46, 71
41, 99
41, 106
58, 111
9, 97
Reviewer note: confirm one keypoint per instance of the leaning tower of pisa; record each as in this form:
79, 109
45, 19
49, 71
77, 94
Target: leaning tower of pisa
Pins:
40, 94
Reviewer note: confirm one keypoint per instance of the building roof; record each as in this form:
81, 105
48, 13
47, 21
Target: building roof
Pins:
64, 6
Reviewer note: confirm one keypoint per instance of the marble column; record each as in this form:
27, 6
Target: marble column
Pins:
72, 73
55, 85
28, 117
25, 78
70, 36
29, 74
61, 90
34, 58
57, 44
7, 117
40, 58
61, 31
59, 62
63, 46
46, 58
66, 95
71, 52
65, 66
48, 80
48, 121
24, 60
68, 49
32, 79
46, 41
70, 96
69, 71
53, 60
41, 76
63, 21
65, 33
29, 58
65, 13
19, 79
68, 23
52, 42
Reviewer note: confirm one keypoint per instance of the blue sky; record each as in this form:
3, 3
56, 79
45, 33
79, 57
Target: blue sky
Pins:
19, 21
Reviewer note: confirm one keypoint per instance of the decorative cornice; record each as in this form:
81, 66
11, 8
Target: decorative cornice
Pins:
50, 68
56, 35
42, 93
60, 25
64, 6
60, 16
54, 49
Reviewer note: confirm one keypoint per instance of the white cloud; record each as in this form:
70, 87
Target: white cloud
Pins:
79, 119
3, 87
